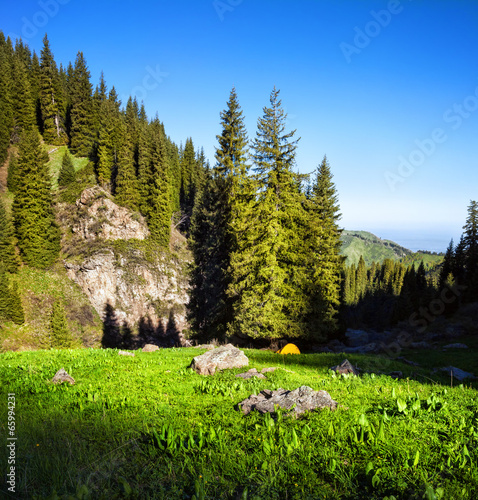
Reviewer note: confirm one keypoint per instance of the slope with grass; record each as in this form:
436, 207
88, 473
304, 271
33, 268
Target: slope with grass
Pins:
149, 427
374, 249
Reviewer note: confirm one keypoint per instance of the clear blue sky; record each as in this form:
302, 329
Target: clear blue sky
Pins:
369, 83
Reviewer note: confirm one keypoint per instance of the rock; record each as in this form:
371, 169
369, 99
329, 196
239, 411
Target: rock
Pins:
205, 346
356, 338
304, 398
458, 374
396, 374
421, 345
100, 217
269, 369
62, 376
408, 362
223, 357
345, 367
125, 353
336, 346
458, 345
362, 349
250, 373
150, 348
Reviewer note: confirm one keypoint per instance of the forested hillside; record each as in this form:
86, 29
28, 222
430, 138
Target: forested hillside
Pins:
265, 240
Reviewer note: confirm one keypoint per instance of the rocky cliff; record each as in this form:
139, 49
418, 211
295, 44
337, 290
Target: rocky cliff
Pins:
126, 278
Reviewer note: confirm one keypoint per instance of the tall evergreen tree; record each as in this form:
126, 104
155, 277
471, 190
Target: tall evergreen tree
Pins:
266, 283
81, 108
37, 233
23, 105
322, 258
51, 99
127, 186
470, 237
448, 265
60, 335
7, 245
6, 107
67, 170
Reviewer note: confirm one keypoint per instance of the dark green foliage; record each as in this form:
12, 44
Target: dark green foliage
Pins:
67, 171
12, 172
127, 186
23, 106
214, 227
81, 108
6, 108
11, 308
323, 264
51, 99
60, 335
37, 233
8, 256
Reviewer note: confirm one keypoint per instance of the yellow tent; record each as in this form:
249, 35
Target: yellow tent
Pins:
289, 349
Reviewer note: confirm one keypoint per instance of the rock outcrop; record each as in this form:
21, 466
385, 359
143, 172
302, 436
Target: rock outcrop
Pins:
221, 358
129, 284
345, 367
302, 399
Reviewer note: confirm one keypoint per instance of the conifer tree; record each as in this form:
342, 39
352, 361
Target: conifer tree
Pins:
8, 256
60, 335
127, 186
321, 256
37, 233
23, 106
470, 237
67, 171
17, 314
51, 99
4, 295
448, 265
6, 88
266, 282
81, 108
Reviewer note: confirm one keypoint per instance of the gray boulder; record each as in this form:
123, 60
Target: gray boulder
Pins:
302, 399
458, 345
62, 376
250, 373
345, 367
226, 356
458, 374
356, 338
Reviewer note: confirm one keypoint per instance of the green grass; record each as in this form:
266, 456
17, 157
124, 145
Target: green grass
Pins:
56, 156
149, 427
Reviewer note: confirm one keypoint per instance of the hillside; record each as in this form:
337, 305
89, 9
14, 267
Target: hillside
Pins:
374, 249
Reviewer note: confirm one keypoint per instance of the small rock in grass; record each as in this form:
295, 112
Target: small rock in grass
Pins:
456, 346
250, 373
269, 369
150, 348
345, 367
407, 361
125, 353
62, 376
396, 374
302, 399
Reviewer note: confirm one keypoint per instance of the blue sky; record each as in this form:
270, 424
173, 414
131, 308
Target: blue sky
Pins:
388, 90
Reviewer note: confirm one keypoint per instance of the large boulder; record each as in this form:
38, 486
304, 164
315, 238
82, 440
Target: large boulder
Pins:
226, 356
458, 374
302, 399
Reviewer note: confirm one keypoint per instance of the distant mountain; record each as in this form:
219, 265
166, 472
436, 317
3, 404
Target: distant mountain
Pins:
374, 249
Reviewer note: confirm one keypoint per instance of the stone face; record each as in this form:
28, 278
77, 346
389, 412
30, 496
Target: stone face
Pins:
304, 398
100, 217
458, 374
62, 376
345, 367
250, 373
220, 358
150, 348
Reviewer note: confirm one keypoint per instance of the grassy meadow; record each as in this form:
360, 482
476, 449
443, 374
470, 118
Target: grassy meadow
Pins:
149, 427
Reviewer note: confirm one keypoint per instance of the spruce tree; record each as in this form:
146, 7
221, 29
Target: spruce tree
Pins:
37, 233
67, 171
266, 275
6, 89
127, 186
17, 314
321, 256
8, 256
5, 302
447, 267
470, 237
23, 105
60, 335
51, 98
81, 108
